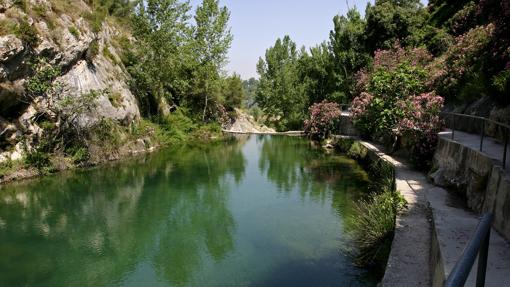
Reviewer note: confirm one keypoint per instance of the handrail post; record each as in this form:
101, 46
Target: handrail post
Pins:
482, 260
504, 150
481, 135
453, 127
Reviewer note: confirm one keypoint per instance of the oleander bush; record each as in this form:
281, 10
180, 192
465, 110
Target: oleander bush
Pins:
395, 102
323, 119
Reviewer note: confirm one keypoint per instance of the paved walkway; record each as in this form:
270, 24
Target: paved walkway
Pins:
434, 217
491, 147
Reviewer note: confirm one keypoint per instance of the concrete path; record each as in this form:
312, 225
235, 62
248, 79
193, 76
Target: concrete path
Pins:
491, 147
431, 234
454, 226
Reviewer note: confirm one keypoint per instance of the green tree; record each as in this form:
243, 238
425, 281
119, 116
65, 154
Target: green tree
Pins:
250, 90
348, 53
211, 40
392, 20
233, 92
280, 93
315, 72
160, 58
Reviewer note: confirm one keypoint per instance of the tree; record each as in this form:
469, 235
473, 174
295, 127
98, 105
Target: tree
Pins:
250, 89
211, 40
316, 74
348, 53
160, 56
280, 92
233, 92
392, 20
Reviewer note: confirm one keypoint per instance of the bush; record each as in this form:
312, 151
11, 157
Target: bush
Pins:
323, 119
175, 127
27, 33
371, 227
92, 51
42, 81
38, 159
458, 74
420, 124
395, 103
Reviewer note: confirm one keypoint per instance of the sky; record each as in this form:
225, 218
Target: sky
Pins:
256, 24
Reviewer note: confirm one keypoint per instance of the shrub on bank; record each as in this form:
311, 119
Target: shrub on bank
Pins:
323, 119
395, 103
372, 226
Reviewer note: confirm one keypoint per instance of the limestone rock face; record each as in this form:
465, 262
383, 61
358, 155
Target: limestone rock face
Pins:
246, 124
10, 46
63, 42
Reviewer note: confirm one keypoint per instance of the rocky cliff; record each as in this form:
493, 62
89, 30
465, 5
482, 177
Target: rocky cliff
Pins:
56, 51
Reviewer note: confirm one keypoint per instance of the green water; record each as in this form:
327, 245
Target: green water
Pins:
257, 211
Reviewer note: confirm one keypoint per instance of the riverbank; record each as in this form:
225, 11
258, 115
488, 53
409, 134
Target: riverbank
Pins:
410, 250
21, 171
143, 138
432, 232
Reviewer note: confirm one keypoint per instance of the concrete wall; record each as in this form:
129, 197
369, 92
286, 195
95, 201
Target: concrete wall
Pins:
480, 179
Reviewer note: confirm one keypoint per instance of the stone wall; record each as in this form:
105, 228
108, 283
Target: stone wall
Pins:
480, 179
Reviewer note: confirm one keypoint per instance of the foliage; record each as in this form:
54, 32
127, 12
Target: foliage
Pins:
372, 225
233, 92
280, 92
347, 51
420, 125
397, 74
159, 61
8, 166
176, 62
92, 51
395, 102
315, 72
323, 119
211, 40
42, 81
74, 31
27, 33
250, 89
458, 74
388, 21
38, 159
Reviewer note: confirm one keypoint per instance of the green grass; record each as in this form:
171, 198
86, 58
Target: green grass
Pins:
9, 166
8, 26
115, 99
372, 226
92, 51
22, 4
74, 32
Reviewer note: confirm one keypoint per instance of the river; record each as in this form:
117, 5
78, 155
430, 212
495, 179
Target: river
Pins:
255, 211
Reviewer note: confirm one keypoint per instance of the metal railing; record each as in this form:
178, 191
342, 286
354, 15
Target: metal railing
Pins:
478, 246
453, 125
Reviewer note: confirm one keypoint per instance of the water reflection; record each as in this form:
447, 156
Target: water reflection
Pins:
164, 209
257, 211
293, 164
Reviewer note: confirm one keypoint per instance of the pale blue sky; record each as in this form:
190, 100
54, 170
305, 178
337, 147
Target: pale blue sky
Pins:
256, 24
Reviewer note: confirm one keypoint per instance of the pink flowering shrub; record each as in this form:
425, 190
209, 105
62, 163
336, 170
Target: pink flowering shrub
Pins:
323, 119
457, 73
396, 102
420, 124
